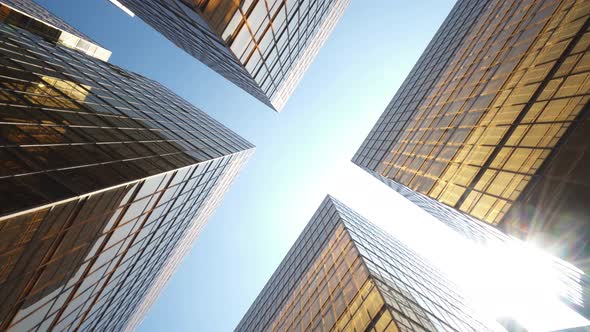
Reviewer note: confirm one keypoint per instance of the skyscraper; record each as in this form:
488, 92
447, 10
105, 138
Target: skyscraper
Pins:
264, 47
345, 274
493, 119
106, 179
34, 18
573, 284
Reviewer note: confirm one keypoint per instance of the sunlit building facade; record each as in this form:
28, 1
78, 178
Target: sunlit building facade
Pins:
264, 47
493, 121
345, 274
106, 178
572, 285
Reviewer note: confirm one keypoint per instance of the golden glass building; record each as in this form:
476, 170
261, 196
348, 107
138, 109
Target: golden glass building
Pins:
264, 47
573, 284
102, 191
345, 274
493, 121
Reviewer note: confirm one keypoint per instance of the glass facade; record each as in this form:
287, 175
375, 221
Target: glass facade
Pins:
574, 284
345, 274
264, 47
30, 16
106, 178
491, 121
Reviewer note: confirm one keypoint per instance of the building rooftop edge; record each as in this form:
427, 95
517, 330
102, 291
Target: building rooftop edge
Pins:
66, 38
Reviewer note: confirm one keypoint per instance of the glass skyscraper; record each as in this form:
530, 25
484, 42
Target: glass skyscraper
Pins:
345, 274
32, 17
106, 178
493, 121
574, 284
264, 47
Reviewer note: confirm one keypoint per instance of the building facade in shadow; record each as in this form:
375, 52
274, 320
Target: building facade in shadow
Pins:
106, 179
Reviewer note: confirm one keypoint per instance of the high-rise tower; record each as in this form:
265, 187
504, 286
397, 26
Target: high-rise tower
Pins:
29, 15
493, 121
106, 179
345, 274
264, 47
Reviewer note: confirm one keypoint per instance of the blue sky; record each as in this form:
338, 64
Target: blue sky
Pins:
302, 154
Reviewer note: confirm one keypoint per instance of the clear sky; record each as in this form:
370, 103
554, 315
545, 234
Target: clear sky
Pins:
302, 153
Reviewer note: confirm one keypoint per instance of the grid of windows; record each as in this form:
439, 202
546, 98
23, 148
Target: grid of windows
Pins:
574, 284
345, 274
483, 124
418, 295
73, 124
197, 39
334, 291
30, 16
418, 83
271, 38
87, 263
278, 289
33, 9
106, 177
262, 46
